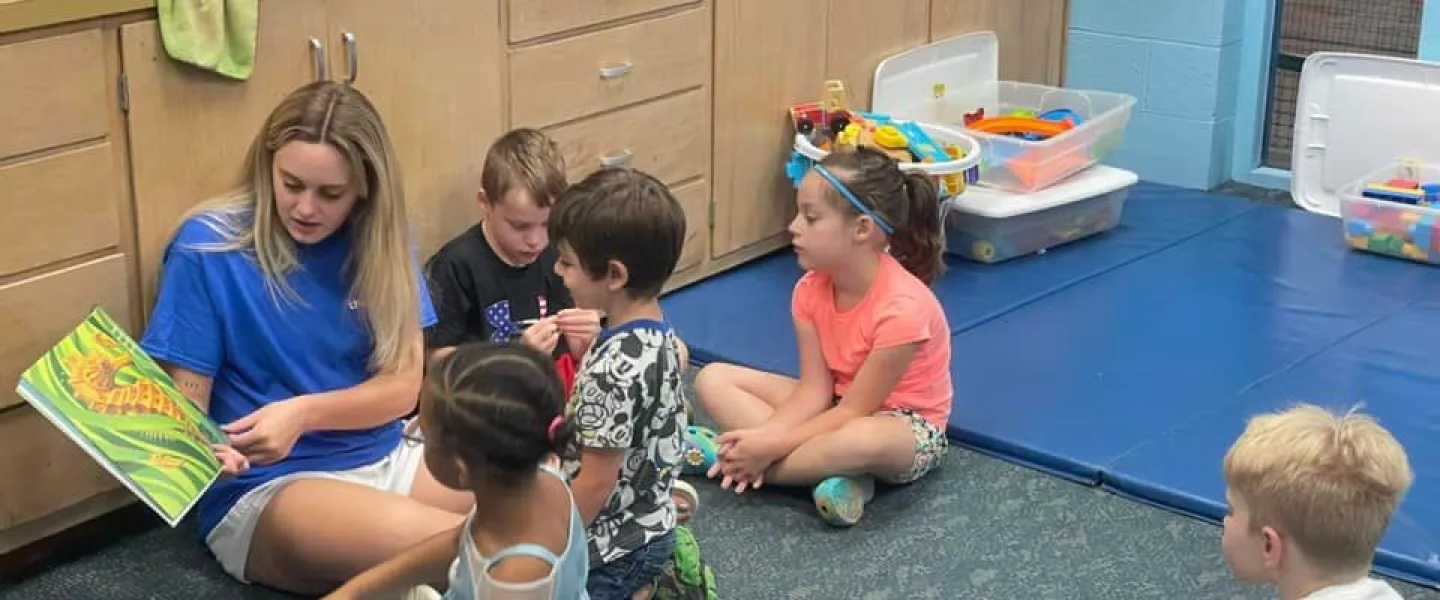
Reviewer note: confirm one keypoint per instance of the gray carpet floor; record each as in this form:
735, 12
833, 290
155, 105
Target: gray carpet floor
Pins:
977, 528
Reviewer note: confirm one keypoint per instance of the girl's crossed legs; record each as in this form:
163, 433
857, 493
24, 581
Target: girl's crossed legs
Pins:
892, 446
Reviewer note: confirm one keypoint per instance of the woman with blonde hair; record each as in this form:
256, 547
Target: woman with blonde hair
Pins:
291, 309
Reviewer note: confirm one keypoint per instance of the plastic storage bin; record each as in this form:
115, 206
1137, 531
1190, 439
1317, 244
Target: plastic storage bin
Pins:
944, 81
941, 171
990, 226
1388, 227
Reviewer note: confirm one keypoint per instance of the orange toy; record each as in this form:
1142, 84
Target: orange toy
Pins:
1020, 125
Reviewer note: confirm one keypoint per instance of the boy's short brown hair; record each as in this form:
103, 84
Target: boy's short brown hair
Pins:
1330, 483
525, 159
624, 215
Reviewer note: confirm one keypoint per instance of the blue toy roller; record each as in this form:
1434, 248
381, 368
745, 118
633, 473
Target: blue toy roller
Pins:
700, 450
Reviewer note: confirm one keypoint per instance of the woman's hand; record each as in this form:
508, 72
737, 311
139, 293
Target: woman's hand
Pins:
580, 328
232, 462
268, 435
543, 335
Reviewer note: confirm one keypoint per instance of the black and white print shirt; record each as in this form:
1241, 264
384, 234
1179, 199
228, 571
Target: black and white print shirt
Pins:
628, 396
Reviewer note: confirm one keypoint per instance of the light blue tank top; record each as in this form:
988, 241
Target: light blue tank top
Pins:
470, 575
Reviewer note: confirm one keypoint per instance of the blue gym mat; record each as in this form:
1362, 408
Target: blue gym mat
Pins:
971, 295
1132, 360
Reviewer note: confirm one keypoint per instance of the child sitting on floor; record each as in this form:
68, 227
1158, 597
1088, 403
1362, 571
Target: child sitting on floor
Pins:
490, 415
874, 391
619, 233
1310, 496
496, 281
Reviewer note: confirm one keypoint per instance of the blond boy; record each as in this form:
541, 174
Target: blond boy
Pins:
1311, 494
496, 281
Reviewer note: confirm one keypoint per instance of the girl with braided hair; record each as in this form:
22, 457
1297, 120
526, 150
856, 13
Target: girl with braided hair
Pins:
492, 417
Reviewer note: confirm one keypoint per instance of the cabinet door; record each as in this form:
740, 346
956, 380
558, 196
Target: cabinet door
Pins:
190, 128
768, 56
860, 37
432, 68
1032, 33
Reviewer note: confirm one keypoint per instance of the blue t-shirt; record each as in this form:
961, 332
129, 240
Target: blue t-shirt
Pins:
215, 317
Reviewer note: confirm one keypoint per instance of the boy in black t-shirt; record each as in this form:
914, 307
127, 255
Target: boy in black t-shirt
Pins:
496, 281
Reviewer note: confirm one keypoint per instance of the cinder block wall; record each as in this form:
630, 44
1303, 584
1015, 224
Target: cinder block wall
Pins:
1180, 59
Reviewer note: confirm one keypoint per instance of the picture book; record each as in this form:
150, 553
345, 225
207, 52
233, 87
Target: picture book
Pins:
99, 388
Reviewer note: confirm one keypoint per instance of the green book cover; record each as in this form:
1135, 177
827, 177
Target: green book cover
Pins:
99, 388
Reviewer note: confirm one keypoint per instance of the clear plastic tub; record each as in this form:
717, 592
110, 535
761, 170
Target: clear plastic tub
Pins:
1408, 231
946, 80
991, 226
1020, 165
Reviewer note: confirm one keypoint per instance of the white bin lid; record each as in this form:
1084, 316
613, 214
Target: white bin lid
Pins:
999, 204
905, 83
1356, 113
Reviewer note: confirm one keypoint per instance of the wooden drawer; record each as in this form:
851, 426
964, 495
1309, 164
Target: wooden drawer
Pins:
55, 472
53, 92
78, 184
695, 199
530, 19
668, 138
562, 80
36, 312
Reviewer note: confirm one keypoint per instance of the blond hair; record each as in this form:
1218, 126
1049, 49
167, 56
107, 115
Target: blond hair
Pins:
524, 159
384, 279
1331, 483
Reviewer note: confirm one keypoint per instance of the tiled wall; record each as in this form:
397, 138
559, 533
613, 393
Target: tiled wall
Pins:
1180, 59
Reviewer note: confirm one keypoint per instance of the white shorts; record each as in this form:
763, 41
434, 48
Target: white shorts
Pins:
230, 540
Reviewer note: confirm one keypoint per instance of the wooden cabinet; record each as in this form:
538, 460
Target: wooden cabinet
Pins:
768, 57
1031, 33
64, 205
694, 92
190, 129
622, 83
432, 68
431, 73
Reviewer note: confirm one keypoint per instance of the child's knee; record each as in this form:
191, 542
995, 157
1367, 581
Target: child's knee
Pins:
878, 440
711, 379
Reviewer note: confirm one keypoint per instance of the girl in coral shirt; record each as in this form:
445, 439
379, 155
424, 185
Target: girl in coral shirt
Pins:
874, 391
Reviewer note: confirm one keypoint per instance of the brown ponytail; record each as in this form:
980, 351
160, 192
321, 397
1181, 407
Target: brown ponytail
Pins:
908, 202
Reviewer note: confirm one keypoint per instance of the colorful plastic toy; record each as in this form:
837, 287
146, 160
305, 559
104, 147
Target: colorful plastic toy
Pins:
699, 449
1404, 195
1393, 228
830, 125
1021, 126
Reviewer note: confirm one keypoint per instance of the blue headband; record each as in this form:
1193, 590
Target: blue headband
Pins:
854, 201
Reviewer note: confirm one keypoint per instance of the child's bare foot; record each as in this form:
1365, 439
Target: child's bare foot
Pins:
686, 501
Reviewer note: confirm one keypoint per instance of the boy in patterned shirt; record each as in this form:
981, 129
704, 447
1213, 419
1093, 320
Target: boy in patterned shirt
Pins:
619, 233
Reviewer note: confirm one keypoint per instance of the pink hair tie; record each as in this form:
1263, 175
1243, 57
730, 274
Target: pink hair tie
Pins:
555, 425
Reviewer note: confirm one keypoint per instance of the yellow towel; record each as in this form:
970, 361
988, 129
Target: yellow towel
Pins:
217, 35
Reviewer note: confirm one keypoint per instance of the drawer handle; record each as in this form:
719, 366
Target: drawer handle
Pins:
616, 71
353, 54
619, 159
317, 51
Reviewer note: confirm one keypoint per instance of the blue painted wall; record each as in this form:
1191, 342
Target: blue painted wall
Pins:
1180, 59
1430, 31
